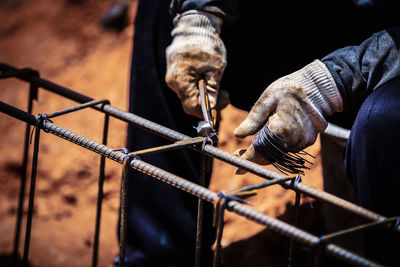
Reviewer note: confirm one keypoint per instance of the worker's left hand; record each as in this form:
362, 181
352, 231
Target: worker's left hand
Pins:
293, 106
196, 52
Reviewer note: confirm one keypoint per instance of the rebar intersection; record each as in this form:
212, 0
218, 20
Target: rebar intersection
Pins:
43, 123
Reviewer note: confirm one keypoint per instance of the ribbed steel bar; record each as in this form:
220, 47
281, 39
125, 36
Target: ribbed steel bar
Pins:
123, 212
24, 171
210, 150
203, 193
197, 190
100, 195
32, 192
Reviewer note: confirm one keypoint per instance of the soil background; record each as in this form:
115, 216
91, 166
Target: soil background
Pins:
65, 42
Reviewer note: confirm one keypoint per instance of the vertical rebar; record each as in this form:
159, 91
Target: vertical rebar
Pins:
218, 220
33, 91
100, 195
123, 212
295, 222
200, 212
39, 121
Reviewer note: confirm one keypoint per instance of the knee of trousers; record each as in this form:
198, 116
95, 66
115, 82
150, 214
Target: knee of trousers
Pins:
377, 124
373, 148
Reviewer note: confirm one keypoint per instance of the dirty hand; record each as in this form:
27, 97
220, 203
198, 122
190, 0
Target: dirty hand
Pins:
196, 52
293, 107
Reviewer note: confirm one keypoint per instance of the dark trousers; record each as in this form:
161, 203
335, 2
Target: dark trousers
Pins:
371, 159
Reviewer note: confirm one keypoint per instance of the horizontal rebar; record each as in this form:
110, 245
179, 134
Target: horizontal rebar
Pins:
198, 191
210, 150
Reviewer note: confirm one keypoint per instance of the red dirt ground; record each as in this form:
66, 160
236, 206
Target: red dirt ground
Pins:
63, 40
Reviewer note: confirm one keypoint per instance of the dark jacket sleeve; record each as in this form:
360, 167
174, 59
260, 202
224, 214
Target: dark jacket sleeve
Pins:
359, 70
227, 10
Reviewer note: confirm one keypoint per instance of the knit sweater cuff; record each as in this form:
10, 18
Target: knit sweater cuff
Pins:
198, 27
320, 87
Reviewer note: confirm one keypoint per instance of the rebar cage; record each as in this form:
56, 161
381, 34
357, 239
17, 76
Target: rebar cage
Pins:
233, 202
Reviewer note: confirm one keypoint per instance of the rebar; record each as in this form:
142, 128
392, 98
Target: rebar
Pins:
181, 141
292, 243
123, 212
100, 195
33, 93
39, 121
192, 188
210, 150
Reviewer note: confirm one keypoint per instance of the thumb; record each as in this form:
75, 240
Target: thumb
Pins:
250, 154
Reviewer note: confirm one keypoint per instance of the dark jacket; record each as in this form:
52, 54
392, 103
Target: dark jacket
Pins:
359, 70
315, 30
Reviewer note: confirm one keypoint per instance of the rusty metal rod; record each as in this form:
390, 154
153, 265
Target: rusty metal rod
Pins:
210, 150
123, 212
100, 195
33, 90
239, 162
32, 192
200, 212
201, 192
260, 218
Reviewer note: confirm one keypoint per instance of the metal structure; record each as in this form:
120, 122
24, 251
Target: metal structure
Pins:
222, 201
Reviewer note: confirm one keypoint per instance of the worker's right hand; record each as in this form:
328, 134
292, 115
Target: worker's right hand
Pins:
196, 52
292, 108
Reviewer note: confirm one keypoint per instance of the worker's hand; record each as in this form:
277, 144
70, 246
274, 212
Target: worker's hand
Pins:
293, 106
196, 52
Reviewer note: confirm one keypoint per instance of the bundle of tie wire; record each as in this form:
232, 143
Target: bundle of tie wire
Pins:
273, 148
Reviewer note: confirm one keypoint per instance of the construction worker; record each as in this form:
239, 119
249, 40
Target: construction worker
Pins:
261, 42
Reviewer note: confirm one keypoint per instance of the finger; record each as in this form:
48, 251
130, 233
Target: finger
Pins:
257, 117
212, 76
191, 105
292, 125
250, 154
212, 96
188, 92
